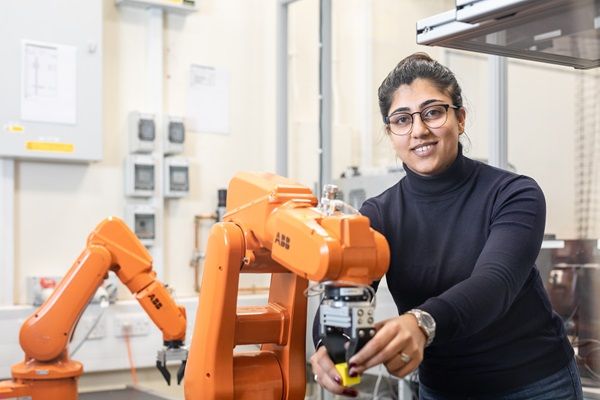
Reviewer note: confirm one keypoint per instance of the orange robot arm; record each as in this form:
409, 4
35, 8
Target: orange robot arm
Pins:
45, 335
318, 244
273, 225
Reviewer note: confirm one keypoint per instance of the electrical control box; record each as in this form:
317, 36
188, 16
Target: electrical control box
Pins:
51, 80
141, 219
174, 135
142, 132
177, 176
140, 175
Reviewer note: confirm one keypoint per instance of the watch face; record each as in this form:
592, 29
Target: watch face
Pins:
427, 321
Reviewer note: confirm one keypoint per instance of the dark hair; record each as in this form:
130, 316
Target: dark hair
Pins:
418, 65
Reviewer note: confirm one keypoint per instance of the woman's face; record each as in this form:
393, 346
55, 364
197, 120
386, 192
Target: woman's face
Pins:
426, 151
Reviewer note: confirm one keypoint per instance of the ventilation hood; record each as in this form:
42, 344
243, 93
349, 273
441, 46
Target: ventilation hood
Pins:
565, 32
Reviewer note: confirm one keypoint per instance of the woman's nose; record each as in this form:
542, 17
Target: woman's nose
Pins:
419, 129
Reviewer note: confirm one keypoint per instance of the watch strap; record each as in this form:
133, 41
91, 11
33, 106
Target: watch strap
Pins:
427, 327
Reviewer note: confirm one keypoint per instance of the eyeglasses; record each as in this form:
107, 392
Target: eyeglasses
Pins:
401, 123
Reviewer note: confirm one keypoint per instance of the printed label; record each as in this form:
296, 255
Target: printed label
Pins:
50, 146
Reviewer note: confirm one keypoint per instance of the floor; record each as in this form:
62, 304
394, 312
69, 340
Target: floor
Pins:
371, 387
127, 393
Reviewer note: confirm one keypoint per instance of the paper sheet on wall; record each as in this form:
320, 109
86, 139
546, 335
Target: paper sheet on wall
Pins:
208, 100
48, 82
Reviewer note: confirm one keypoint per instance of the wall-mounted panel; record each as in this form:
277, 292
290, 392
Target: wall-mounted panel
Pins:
51, 97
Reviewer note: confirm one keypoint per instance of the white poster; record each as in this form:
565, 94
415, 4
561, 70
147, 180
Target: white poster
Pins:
48, 82
208, 100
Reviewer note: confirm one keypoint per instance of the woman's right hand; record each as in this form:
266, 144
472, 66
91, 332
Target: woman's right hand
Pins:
327, 376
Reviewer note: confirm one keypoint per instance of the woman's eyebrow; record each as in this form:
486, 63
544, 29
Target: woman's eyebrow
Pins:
421, 106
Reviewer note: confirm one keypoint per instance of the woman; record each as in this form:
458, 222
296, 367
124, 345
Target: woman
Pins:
464, 236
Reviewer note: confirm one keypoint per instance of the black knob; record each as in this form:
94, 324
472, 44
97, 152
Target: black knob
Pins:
222, 194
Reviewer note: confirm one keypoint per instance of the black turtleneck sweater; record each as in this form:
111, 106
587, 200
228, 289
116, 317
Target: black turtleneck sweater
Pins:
463, 246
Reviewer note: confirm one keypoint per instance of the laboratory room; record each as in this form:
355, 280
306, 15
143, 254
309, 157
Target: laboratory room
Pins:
300, 199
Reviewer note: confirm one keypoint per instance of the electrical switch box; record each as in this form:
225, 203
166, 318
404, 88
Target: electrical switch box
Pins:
51, 81
176, 180
142, 220
174, 137
131, 325
140, 175
142, 132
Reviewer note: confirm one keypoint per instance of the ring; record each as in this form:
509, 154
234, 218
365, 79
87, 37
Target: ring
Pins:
405, 358
316, 378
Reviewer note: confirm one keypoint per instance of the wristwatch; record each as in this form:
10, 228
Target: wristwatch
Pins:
426, 322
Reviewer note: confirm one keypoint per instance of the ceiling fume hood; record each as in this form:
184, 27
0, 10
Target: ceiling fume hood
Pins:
565, 32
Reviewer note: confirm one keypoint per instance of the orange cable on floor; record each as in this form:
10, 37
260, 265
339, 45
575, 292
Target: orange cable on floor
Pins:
130, 357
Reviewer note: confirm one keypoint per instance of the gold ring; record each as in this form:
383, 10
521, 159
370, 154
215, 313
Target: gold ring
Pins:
405, 358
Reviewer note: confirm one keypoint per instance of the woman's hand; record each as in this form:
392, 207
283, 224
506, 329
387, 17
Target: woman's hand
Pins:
326, 375
398, 344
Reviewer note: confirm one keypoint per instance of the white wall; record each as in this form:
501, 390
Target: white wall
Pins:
541, 135
391, 36
541, 127
394, 37
57, 205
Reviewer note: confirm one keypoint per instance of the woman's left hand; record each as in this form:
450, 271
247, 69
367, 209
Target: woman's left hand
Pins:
398, 344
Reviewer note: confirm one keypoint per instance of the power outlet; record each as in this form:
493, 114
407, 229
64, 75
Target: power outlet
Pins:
132, 324
87, 322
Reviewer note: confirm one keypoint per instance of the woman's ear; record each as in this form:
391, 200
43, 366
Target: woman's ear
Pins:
461, 116
388, 132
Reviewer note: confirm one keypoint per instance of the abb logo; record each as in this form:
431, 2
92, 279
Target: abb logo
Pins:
155, 301
282, 240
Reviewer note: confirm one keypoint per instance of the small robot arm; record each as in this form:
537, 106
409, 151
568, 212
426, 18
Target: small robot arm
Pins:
47, 371
274, 225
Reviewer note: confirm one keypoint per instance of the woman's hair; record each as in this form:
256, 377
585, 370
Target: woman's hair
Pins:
418, 65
